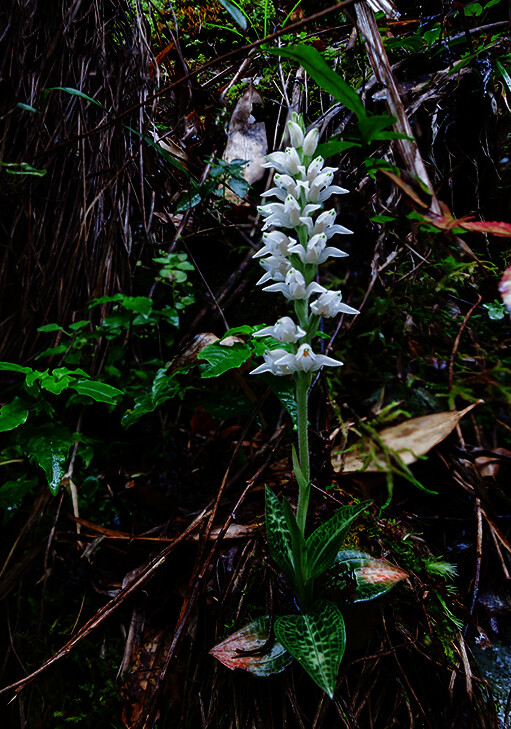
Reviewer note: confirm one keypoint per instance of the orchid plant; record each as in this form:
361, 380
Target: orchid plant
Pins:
295, 243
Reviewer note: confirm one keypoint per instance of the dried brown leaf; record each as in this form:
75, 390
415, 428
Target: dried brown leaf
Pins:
409, 440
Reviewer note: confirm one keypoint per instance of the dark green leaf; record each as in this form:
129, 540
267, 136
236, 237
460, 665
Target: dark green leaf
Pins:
250, 637
324, 543
335, 146
278, 536
48, 446
12, 494
189, 200
239, 187
222, 358
75, 92
22, 168
13, 414
98, 391
316, 66
27, 107
235, 13
12, 367
50, 328
370, 126
317, 640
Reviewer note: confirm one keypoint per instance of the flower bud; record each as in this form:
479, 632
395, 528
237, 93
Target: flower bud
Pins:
310, 142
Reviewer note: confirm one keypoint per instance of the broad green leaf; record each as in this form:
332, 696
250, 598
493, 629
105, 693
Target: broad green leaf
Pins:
48, 446
98, 391
254, 635
189, 200
324, 543
317, 640
164, 388
75, 326
371, 125
335, 146
50, 328
53, 383
316, 66
277, 535
473, 9
374, 577
13, 414
75, 92
12, 367
235, 13
222, 358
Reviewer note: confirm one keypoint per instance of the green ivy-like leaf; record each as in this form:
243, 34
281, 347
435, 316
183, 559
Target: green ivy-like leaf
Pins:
324, 543
98, 391
317, 640
277, 534
48, 446
13, 414
316, 66
222, 358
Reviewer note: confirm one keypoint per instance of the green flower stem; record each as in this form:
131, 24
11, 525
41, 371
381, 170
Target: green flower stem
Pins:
303, 381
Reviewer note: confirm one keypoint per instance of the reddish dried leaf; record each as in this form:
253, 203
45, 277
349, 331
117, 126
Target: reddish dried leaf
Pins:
374, 577
254, 635
495, 227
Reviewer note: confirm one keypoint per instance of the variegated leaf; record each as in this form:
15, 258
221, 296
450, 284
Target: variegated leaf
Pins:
317, 640
323, 544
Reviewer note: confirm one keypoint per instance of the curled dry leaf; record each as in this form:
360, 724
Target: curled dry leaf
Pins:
230, 651
409, 440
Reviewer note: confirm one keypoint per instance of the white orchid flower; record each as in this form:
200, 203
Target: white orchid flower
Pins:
306, 361
317, 251
287, 162
330, 304
276, 268
286, 185
285, 330
294, 286
276, 243
270, 357
321, 188
287, 214
325, 223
